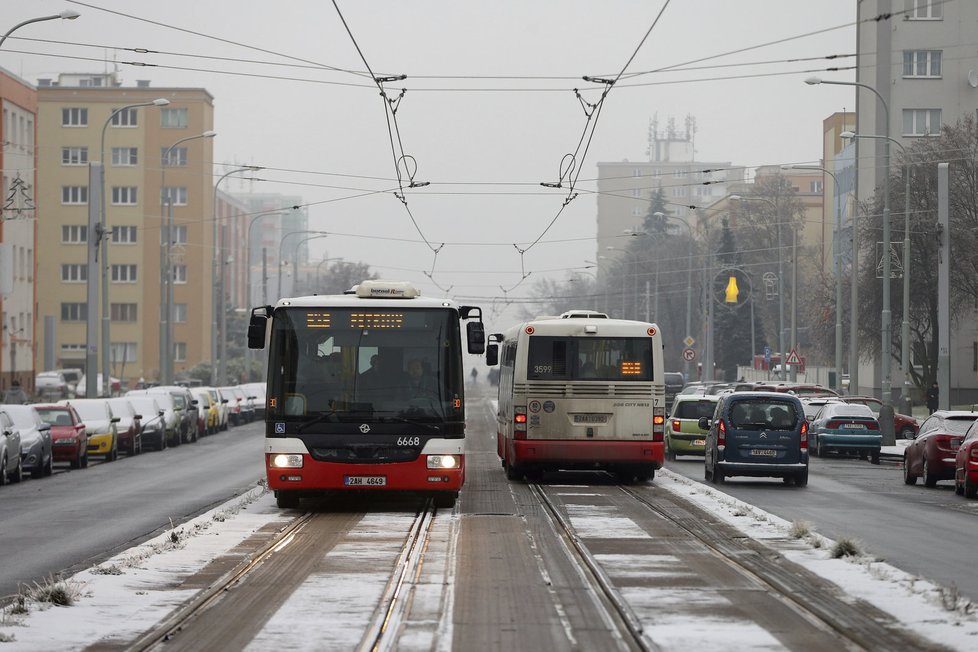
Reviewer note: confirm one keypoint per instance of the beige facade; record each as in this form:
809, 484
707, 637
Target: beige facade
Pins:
71, 118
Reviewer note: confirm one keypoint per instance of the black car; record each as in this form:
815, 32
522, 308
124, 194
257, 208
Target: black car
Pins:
674, 382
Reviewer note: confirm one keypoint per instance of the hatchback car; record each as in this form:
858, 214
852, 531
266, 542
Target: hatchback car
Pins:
758, 434
223, 411
966, 464
130, 425
847, 429
208, 411
683, 433
153, 420
37, 457
11, 469
904, 426
69, 440
103, 436
931, 455
172, 415
51, 385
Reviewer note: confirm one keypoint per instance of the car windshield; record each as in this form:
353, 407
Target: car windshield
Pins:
55, 416
23, 418
848, 410
145, 405
121, 407
763, 413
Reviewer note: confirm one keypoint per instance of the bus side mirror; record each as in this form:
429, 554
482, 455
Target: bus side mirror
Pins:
492, 355
257, 327
475, 332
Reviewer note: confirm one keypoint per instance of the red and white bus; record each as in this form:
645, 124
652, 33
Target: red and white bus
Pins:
365, 391
580, 391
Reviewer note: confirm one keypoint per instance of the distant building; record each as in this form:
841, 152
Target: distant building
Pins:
276, 223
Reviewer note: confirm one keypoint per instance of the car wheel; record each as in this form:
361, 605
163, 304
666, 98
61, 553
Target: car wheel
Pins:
38, 471
801, 478
907, 432
958, 487
286, 499
928, 477
820, 450
84, 460
908, 477
670, 455
49, 467
813, 446
970, 490
874, 457
18, 474
3, 472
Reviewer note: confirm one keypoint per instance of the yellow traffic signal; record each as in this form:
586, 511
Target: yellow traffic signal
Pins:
732, 290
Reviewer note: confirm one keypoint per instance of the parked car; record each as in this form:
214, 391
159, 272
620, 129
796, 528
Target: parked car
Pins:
966, 464
72, 376
223, 410
11, 469
257, 393
100, 424
153, 419
186, 405
50, 386
234, 405
674, 382
904, 426
69, 439
798, 389
847, 429
932, 453
813, 404
246, 402
758, 434
115, 386
36, 454
684, 436
173, 417
130, 425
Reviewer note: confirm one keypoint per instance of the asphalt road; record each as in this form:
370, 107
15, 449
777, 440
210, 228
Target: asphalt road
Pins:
926, 532
77, 518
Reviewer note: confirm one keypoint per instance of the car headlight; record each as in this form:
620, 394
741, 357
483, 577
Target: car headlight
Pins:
283, 461
444, 461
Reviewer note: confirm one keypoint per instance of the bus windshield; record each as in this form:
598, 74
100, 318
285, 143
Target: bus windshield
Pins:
343, 364
598, 358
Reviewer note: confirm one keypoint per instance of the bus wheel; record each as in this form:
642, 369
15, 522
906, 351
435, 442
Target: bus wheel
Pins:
286, 499
513, 472
534, 475
645, 476
446, 499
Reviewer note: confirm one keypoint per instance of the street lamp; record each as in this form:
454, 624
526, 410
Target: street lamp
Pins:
251, 224
689, 283
101, 234
217, 277
166, 272
319, 267
886, 409
67, 14
905, 324
282, 242
838, 272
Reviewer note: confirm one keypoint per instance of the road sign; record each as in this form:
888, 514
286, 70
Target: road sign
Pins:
689, 341
689, 354
793, 358
767, 354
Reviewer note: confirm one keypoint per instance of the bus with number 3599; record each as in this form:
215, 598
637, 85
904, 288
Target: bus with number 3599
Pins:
580, 391
365, 391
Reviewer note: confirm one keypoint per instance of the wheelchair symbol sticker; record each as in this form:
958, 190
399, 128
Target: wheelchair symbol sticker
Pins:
279, 428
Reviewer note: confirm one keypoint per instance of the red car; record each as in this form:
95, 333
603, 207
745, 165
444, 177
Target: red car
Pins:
931, 454
966, 464
904, 426
69, 441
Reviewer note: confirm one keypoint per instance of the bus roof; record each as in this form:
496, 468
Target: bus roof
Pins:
584, 326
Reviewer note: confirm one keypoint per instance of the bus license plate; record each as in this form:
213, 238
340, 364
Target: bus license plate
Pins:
365, 480
590, 418
763, 452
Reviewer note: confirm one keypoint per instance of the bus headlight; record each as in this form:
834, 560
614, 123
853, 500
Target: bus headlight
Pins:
444, 461
286, 461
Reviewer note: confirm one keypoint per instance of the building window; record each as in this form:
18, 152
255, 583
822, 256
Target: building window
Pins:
180, 234
178, 196
180, 351
74, 234
123, 195
74, 194
123, 273
815, 186
921, 122
924, 9
173, 158
180, 313
179, 273
124, 235
921, 63
121, 352
126, 156
173, 118
126, 118
636, 211
123, 311
76, 117
74, 312
74, 156
74, 273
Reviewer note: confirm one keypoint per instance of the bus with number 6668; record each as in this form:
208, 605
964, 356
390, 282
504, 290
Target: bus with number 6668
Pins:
580, 391
365, 391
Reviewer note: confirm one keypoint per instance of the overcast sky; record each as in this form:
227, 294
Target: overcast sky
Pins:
489, 112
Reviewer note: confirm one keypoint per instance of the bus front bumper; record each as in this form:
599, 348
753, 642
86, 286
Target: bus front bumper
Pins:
402, 476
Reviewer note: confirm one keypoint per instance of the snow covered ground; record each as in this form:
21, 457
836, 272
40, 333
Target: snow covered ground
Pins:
126, 595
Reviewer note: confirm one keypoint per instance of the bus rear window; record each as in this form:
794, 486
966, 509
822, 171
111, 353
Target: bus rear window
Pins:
569, 358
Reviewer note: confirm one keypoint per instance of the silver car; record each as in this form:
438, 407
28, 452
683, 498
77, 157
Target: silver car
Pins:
11, 467
36, 454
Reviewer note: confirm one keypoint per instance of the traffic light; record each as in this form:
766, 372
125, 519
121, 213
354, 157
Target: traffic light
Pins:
732, 291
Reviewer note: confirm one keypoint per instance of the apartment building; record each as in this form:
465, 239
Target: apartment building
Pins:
18, 230
158, 171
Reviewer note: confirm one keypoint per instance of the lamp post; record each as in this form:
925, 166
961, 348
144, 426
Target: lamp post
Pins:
217, 277
905, 324
166, 271
67, 14
295, 278
689, 282
101, 235
838, 269
886, 409
251, 224
319, 267
280, 244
